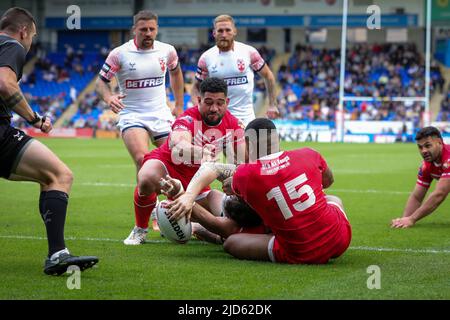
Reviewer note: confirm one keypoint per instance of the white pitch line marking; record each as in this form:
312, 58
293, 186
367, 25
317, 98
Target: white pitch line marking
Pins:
359, 248
130, 185
87, 239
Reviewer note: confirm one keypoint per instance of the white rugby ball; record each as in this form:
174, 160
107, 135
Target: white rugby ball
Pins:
176, 231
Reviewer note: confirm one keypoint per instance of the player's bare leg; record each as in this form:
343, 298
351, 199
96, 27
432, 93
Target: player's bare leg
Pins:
137, 142
248, 246
41, 165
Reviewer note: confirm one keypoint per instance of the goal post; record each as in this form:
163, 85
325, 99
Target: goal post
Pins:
340, 112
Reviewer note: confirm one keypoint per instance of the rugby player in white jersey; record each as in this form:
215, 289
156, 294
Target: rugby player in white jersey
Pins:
140, 66
235, 62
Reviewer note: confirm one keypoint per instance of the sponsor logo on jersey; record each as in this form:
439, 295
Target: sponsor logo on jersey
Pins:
162, 63
446, 165
132, 64
241, 65
420, 173
236, 81
144, 83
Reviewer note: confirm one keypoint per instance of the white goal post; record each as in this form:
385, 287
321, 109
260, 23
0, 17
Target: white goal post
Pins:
340, 123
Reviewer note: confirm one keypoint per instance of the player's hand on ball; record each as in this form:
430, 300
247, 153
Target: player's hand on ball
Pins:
171, 188
405, 222
115, 103
181, 207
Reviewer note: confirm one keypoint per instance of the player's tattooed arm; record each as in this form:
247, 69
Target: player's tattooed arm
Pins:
11, 101
11, 95
222, 170
207, 173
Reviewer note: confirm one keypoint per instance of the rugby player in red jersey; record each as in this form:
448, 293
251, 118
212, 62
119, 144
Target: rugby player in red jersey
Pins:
436, 165
286, 189
200, 133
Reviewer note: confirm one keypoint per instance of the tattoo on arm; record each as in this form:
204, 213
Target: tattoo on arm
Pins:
223, 170
13, 100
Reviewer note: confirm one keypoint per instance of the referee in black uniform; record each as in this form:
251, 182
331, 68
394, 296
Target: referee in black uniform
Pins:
25, 159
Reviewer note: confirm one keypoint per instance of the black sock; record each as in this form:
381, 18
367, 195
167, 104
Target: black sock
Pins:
53, 208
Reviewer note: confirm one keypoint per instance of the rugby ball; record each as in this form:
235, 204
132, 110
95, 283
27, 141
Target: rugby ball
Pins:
176, 231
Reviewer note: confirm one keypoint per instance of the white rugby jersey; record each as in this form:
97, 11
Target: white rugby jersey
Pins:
141, 74
237, 68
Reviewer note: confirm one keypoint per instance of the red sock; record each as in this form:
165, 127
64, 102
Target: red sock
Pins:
143, 207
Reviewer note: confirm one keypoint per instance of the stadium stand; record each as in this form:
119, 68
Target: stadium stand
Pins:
57, 78
310, 82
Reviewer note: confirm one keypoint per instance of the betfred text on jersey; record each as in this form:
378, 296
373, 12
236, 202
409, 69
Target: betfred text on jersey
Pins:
144, 83
236, 81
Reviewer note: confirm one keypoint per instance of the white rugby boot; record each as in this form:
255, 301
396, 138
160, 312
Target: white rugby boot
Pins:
136, 237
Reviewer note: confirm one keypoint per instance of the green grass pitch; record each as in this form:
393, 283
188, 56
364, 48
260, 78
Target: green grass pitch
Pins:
373, 180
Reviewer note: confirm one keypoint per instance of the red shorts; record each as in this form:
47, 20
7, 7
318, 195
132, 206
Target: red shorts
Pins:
181, 172
333, 248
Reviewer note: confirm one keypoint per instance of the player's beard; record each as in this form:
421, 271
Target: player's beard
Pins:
224, 44
147, 43
212, 123
431, 157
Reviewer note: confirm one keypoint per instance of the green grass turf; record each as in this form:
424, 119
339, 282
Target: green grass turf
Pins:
373, 181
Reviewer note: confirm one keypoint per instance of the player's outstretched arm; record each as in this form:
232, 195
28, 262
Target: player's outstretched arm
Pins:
13, 98
177, 85
218, 225
415, 200
269, 81
206, 174
415, 210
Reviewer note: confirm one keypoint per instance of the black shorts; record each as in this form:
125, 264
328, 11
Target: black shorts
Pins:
13, 143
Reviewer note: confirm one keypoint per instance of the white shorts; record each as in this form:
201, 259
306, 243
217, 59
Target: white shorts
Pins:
158, 124
246, 120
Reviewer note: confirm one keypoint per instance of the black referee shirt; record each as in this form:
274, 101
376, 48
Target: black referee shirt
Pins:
12, 55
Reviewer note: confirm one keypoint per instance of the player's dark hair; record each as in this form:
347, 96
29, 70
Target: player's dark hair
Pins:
15, 18
145, 15
428, 132
265, 129
213, 85
237, 209
261, 123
